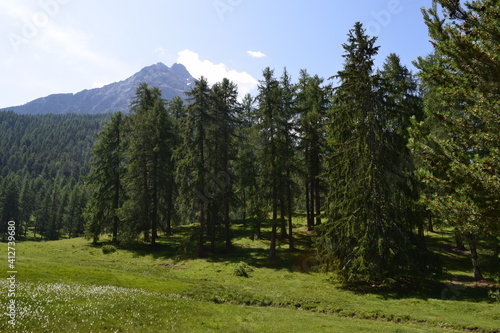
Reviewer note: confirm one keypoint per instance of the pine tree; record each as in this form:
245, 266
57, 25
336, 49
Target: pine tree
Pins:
458, 140
287, 154
312, 104
150, 167
106, 180
401, 101
176, 113
74, 221
248, 168
223, 112
269, 108
369, 233
191, 169
26, 204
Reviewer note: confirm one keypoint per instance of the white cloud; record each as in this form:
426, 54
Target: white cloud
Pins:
44, 57
256, 54
216, 72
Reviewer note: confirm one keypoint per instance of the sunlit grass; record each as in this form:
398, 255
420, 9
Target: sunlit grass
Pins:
71, 285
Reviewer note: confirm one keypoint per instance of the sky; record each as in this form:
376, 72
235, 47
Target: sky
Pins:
65, 46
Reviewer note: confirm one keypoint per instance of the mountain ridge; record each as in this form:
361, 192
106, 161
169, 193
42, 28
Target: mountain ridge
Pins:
172, 81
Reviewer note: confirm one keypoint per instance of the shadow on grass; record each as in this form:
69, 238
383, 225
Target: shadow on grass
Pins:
255, 252
182, 245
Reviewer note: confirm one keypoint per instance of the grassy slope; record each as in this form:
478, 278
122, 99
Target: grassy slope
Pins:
70, 285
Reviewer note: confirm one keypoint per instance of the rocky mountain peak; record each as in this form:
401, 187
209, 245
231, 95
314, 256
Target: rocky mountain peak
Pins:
174, 81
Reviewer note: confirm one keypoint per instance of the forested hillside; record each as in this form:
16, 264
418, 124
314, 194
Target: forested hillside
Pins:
43, 161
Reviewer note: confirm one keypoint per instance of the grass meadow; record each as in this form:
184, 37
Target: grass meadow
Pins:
72, 285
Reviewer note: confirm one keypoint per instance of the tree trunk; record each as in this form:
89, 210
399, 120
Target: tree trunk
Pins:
211, 223
458, 240
290, 214
284, 235
115, 229
244, 208
227, 223
170, 205
430, 227
169, 221
473, 253
308, 211
201, 238
257, 228
318, 202
154, 218
272, 250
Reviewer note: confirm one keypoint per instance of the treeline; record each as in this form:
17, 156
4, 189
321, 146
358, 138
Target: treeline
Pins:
43, 159
374, 158
367, 160
339, 154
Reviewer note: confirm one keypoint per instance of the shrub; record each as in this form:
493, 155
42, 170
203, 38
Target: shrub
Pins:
242, 269
107, 249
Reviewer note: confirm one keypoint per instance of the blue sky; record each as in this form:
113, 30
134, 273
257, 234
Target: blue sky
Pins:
61, 46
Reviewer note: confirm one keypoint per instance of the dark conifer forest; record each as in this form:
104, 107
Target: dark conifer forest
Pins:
373, 158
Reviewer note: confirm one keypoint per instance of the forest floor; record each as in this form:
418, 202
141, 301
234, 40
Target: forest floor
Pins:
71, 285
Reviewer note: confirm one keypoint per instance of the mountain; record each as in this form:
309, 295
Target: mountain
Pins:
173, 81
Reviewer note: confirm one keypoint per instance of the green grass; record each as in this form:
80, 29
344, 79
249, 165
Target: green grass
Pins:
71, 285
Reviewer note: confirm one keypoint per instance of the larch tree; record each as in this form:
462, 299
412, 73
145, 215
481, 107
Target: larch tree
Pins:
222, 150
268, 125
312, 106
192, 170
149, 166
287, 130
106, 180
459, 137
247, 168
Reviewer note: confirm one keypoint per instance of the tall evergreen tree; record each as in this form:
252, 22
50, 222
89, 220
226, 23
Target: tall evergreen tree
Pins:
287, 154
26, 204
269, 105
248, 168
312, 104
401, 101
223, 111
175, 110
150, 164
74, 221
192, 170
106, 180
368, 232
458, 140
